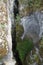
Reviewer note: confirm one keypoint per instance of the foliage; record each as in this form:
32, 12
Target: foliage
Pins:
41, 43
41, 47
17, 19
24, 47
19, 31
35, 4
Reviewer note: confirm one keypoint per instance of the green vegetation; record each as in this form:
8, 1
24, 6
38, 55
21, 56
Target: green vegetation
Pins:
24, 47
30, 6
19, 32
41, 47
19, 28
17, 19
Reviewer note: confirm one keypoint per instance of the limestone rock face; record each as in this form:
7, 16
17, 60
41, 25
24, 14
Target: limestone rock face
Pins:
3, 30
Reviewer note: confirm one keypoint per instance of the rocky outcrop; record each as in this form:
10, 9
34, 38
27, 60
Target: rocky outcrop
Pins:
3, 30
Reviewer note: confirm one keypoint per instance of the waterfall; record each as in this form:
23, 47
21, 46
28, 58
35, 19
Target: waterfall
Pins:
33, 25
30, 23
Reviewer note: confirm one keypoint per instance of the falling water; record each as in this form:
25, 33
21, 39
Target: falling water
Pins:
33, 27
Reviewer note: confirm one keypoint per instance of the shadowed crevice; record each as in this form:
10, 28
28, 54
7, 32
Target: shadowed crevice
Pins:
14, 43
